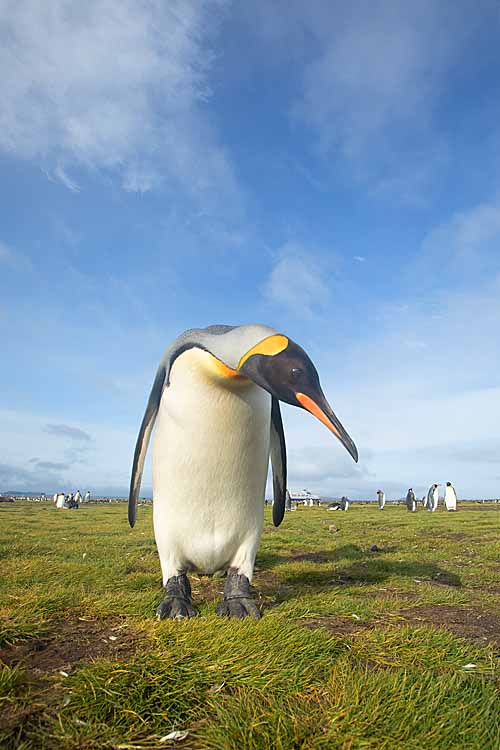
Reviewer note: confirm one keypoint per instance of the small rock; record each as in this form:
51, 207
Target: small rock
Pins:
332, 528
374, 548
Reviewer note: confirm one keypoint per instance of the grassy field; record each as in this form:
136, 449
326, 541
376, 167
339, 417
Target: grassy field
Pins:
356, 649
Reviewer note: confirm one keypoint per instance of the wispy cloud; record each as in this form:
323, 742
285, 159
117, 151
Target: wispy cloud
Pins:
61, 174
466, 245
297, 282
52, 465
43, 455
377, 73
13, 258
64, 430
371, 78
117, 86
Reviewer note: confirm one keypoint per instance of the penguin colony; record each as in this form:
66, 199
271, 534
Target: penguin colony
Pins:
429, 502
215, 401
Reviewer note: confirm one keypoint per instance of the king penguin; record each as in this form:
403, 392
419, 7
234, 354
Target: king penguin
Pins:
411, 501
450, 497
433, 498
215, 401
381, 499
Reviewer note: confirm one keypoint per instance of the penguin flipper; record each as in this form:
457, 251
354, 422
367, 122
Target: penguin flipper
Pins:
278, 462
141, 446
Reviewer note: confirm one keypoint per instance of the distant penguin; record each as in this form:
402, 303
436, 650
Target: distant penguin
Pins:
86, 499
450, 497
60, 500
433, 498
411, 501
215, 401
344, 503
381, 499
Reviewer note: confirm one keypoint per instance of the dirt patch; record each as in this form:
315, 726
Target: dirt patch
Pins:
317, 557
473, 624
70, 643
445, 579
207, 588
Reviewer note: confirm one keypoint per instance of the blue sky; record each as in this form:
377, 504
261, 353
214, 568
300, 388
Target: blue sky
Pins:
333, 172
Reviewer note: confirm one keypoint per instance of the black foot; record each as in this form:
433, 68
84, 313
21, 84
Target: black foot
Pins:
177, 602
238, 602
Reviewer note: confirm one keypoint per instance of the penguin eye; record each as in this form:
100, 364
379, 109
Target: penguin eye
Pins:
296, 374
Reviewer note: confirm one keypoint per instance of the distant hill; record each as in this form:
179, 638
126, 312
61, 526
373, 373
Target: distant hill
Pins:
21, 493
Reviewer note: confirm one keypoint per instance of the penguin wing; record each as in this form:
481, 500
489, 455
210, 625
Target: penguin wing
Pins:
141, 446
278, 462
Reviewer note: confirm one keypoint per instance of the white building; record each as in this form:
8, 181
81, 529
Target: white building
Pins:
304, 497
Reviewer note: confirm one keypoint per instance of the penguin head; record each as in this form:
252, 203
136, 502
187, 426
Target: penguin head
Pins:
283, 368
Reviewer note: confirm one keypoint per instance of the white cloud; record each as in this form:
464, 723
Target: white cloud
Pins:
359, 258
297, 282
112, 85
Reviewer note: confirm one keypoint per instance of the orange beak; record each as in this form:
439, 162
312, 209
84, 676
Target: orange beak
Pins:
326, 415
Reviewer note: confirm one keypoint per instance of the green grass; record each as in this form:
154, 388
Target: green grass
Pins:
356, 650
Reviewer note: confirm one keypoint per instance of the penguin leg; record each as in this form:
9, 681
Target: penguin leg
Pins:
177, 603
237, 601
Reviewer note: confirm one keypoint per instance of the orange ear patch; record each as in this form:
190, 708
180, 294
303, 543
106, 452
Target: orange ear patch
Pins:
269, 346
225, 371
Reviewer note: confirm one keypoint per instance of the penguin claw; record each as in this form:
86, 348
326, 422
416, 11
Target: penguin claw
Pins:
238, 609
176, 608
177, 602
237, 602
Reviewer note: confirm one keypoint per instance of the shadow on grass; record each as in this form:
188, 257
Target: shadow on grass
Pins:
367, 568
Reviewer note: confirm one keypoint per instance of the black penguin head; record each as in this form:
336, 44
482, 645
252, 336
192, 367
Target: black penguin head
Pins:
290, 376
